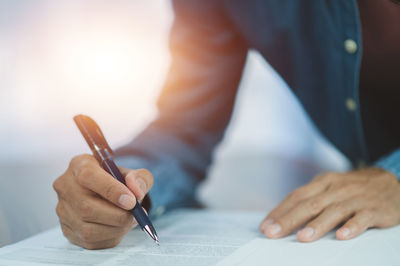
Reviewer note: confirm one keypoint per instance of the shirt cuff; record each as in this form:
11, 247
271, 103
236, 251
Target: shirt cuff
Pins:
391, 163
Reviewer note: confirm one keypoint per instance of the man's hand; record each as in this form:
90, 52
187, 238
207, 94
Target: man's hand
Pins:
360, 199
93, 206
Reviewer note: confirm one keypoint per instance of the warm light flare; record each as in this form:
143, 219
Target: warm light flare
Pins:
102, 61
108, 61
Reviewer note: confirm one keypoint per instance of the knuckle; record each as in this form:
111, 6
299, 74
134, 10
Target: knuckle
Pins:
57, 186
338, 207
74, 162
297, 194
80, 161
60, 209
77, 161
314, 206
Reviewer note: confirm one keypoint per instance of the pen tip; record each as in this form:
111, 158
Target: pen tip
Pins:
152, 233
156, 239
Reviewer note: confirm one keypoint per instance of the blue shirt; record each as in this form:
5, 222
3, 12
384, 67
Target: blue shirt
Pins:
316, 47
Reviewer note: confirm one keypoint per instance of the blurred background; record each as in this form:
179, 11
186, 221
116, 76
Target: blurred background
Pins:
108, 59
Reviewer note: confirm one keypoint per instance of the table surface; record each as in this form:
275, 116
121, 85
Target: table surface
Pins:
236, 182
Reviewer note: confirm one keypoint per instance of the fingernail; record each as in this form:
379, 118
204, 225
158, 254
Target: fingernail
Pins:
345, 232
142, 185
273, 229
307, 232
127, 201
265, 224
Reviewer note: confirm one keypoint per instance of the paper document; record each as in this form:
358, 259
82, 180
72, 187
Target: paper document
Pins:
187, 237
374, 247
201, 237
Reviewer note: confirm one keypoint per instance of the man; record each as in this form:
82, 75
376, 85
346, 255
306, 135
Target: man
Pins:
340, 57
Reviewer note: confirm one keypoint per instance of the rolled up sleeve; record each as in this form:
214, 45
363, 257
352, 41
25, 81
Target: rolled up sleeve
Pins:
390, 163
194, 107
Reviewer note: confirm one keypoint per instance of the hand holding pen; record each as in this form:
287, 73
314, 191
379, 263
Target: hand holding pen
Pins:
94, 208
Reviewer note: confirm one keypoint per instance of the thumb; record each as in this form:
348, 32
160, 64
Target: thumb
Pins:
138, 181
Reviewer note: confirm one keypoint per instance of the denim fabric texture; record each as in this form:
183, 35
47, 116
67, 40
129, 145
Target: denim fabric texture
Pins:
316, 47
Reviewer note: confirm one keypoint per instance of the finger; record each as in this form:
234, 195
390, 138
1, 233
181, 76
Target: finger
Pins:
93, 233
102, 244
69, 233
90, 233
94, 178
298, 215
97, 210
67, 189
290, 201
307, 210
75, 194
64, 213
139, 181
74, 239
356, 225
87, 232
327, 220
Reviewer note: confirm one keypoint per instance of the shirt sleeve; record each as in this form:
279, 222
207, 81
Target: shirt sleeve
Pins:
391, 163
194, 107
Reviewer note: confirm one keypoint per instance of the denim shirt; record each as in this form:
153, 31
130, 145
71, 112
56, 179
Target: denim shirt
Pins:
315, 45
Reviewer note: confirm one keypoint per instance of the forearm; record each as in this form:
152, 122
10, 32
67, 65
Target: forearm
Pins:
194, 107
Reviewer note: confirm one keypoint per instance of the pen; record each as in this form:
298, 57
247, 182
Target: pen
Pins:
104, 155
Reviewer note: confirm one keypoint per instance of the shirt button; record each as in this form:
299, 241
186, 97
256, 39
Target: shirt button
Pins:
351, 104
350, 46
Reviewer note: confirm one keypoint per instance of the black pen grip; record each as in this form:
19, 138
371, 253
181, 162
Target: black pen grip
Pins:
111, 168
140, 216
138, 212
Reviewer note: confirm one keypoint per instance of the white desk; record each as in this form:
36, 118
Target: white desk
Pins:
196, 237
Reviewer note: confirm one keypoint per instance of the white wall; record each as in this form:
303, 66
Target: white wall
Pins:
108, 59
